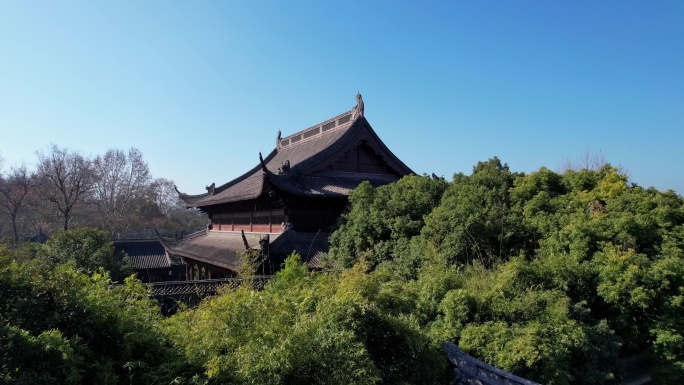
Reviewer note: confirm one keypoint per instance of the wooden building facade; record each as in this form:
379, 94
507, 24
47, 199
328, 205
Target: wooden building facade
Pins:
290, 200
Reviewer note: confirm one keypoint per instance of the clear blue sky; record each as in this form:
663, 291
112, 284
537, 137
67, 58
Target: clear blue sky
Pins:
201, 87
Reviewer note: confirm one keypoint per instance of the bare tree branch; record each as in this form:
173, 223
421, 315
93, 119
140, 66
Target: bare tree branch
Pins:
66, 179
15, 187
122, 178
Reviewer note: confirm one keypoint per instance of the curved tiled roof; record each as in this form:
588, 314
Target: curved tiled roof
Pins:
304, 151
299, 147
223, 249
144, 254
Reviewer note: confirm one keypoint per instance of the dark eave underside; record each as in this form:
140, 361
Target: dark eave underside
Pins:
327, 185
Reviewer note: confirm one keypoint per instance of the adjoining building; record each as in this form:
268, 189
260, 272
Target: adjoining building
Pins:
150, 260
289, 201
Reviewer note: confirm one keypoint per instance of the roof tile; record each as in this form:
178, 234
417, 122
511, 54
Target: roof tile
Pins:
144, 254
218, 248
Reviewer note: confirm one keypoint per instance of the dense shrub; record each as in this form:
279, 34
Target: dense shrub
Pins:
554, 277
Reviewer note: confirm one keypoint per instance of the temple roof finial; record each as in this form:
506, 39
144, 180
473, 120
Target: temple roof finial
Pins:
357, 112
210, 188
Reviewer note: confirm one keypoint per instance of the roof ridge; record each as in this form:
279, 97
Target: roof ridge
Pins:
246, 175
218, 189
351, 128
171, 241
317, 129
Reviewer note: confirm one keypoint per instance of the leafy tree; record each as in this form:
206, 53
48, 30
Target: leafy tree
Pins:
554, 277
89, 249
619, 253
383, 221
505, 317
474, 221
306, 328
48, 358
59, 326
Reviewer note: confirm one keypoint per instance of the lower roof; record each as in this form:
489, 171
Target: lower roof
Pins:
144, 254
225, 248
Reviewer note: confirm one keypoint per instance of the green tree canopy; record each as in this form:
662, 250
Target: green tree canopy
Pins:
383, 221
60, 326
89, 249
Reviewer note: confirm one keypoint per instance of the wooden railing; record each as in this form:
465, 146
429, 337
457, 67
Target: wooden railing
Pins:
203, 288
191, 293
471, 371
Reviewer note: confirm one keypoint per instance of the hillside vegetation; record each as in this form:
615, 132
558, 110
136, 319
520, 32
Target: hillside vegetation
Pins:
554, 277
